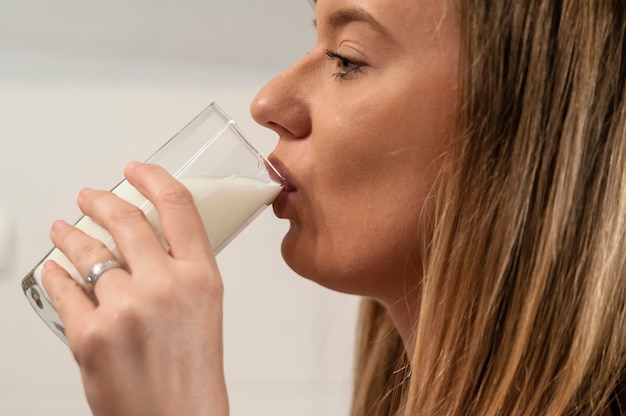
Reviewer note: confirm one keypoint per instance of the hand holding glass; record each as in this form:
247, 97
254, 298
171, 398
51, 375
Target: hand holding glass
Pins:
229, 179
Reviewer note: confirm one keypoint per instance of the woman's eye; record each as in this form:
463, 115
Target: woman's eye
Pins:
345, 66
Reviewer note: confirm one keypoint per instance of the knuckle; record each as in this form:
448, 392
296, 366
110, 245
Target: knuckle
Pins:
126, 213
208, 283
120, 326
196, 283
91, 248
127, 316
90, 345
215, 288
175, 194
59, 289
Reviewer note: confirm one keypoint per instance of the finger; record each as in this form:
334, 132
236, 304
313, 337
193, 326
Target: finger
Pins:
180, 221
69, 299
84, 252
132, 233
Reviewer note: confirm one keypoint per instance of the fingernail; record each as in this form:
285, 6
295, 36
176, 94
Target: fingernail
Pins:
58, 225
50, 265
84, 192
132, 165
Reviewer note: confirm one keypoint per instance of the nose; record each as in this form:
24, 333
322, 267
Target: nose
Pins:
283, 104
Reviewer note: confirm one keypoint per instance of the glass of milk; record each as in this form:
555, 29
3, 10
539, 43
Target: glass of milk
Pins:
229, 179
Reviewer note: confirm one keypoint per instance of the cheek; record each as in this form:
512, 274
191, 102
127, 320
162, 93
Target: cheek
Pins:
358, 244
370, 169
359, 224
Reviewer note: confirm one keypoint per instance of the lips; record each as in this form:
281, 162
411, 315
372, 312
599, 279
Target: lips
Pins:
278, 173
282, 202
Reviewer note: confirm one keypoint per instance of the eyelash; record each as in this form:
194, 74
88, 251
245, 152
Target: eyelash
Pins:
347, 65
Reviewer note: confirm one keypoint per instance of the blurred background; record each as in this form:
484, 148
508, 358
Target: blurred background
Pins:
87, 86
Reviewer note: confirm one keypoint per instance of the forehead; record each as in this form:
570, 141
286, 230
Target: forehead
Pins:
404, 21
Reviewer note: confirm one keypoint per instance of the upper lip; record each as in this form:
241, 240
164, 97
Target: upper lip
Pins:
280, 173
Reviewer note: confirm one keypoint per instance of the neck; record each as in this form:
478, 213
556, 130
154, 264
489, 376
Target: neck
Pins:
403, 312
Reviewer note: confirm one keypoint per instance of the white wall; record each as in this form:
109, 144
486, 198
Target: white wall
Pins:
87, 86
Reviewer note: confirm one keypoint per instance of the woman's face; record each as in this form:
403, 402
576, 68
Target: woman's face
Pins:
363, 120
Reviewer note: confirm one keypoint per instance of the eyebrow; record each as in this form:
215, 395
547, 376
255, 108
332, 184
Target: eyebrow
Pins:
342, 17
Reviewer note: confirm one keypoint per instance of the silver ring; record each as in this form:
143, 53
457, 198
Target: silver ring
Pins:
100, 268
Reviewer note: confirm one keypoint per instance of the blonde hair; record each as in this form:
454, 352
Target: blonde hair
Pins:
523, 307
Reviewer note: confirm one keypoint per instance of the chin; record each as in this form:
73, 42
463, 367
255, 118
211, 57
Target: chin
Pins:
363, 275
294, 254
306, 261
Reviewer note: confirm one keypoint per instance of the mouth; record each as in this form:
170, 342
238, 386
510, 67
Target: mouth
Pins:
283, 204
278, 173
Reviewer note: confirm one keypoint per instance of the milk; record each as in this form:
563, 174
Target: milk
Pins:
226, 206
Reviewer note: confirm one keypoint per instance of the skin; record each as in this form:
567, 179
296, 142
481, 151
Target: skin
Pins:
363, 121
153, 345
361, 139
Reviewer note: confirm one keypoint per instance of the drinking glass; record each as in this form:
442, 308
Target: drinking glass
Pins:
231, 183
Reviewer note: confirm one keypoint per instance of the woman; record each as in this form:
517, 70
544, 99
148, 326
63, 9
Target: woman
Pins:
460, 164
